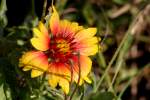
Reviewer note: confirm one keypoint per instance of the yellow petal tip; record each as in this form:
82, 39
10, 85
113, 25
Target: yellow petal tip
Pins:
36, 73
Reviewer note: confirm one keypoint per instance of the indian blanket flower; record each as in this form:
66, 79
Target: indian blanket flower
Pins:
61, 52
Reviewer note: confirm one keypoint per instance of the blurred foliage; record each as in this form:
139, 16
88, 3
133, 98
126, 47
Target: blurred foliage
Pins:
120, 66
3, 18
102, 96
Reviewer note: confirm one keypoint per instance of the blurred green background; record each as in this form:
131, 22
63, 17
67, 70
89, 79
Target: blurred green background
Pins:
121, 68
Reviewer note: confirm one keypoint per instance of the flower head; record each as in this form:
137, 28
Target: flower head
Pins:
62, 52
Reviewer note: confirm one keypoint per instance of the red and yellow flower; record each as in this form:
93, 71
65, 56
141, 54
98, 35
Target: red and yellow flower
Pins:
61, 51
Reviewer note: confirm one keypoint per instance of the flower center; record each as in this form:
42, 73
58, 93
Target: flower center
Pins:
60, 49
63, 46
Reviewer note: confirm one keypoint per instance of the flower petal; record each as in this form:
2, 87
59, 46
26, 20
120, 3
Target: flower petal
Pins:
59, 69
89, 41
88, 51
41, 39
64, 27
64, 84
59, 74
53, 80
27, 68
41, 44
36, 73
87, 80
88, 46
85, 68
35, 60
69, 29
37, 33
43, 29
54, 21
86, 33
75, 28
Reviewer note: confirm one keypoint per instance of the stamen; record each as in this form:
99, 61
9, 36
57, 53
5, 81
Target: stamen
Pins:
60, 49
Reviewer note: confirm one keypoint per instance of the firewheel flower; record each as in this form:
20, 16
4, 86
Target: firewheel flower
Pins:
61, 52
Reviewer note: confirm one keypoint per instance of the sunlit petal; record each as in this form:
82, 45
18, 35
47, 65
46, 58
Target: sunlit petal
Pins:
41, 39
37, 61
69, 29
54, 21
64, 84
84, 64
59, 74
53, 80
86, 33
41, 44
43, 29
36, 73
88, 51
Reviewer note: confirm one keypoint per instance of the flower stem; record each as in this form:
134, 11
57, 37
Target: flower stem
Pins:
44, 10
110, 64
120, 59
113, 58
32, 8
129, 32
78, 77
130, 35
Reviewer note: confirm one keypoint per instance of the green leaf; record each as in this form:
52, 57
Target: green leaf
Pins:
3, 18
7, 92
102, 96
2, 94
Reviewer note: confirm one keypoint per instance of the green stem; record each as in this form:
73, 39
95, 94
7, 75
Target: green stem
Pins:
79, 78
44, 10
125, 87
110, 64
113, 59
115, 55
120, 59
102, 62
101, 58
32, 8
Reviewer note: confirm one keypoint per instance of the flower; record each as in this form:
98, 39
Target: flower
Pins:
62, 52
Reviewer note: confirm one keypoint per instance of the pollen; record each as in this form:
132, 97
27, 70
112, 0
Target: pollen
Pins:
63, 46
